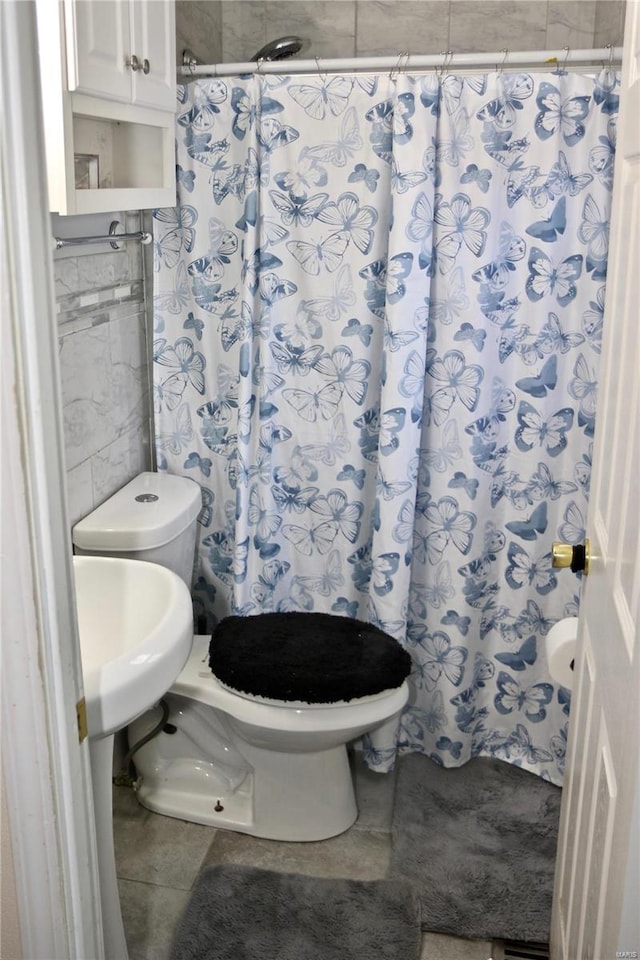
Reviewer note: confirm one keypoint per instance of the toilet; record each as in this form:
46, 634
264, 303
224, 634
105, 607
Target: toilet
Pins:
225, 756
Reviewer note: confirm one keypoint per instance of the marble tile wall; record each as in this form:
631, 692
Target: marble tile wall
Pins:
103, 364
199, 29
609, 23
337, 28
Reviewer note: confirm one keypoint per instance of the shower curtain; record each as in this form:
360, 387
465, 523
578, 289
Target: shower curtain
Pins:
378, 311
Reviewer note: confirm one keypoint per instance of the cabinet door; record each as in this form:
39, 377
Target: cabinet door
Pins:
154, 42
98, 48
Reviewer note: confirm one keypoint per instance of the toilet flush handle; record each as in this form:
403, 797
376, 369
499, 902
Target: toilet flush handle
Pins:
577, 557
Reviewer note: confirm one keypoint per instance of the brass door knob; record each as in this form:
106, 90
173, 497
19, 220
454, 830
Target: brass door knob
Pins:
575, 557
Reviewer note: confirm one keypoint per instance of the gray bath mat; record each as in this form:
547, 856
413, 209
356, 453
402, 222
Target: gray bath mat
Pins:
478, 845
243, 913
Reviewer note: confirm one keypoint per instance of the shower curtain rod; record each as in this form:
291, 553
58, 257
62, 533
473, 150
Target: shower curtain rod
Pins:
405, 62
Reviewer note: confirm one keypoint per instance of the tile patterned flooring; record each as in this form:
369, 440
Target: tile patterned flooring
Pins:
159, 858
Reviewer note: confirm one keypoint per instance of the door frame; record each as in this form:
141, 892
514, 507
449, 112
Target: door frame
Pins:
46, 774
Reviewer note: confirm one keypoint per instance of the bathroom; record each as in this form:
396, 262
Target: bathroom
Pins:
101, 316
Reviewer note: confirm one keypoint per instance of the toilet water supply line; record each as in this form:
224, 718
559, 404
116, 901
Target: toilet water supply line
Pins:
124, 779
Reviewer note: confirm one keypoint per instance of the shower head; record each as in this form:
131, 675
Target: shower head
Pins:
281, 48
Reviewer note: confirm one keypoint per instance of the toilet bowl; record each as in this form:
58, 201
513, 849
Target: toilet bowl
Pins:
271, 769
277, 769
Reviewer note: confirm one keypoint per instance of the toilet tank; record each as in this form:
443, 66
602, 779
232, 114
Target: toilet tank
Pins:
151, 518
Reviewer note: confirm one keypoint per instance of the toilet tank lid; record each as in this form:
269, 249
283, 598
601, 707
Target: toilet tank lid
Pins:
148, 512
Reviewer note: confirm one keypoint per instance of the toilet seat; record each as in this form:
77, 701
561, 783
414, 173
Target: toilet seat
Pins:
305, 658
197, 682
303, 704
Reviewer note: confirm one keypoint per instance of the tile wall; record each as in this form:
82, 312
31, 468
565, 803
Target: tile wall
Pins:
346, 28
103, 365
609, 22
199, 28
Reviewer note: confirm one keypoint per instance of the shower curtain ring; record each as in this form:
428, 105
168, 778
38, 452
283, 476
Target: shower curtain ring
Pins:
566, 57
323, 76
447, 56
393, 73
259, 65
609, 47
500, 71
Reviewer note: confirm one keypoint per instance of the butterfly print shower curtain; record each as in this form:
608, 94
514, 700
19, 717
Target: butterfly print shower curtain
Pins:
378, 313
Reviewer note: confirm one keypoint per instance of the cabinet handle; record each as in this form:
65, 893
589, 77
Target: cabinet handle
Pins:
134, 63
146, 66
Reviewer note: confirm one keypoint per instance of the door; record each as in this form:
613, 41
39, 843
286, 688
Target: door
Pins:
154, 45
98, 41
595, 907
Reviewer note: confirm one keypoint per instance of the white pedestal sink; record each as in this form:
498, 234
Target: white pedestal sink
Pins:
136, 628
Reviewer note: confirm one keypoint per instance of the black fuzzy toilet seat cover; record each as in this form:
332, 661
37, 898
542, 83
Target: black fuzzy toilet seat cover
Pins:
309, 657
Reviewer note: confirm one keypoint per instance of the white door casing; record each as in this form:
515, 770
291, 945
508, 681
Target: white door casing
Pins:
46, 773
593, 913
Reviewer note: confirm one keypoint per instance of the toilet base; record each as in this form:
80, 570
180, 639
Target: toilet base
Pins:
297, 797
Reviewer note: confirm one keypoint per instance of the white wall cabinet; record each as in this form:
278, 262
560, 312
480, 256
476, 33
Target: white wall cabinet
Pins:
109, 128
122, 50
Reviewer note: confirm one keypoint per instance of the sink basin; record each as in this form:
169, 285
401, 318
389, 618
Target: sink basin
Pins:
136, 627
